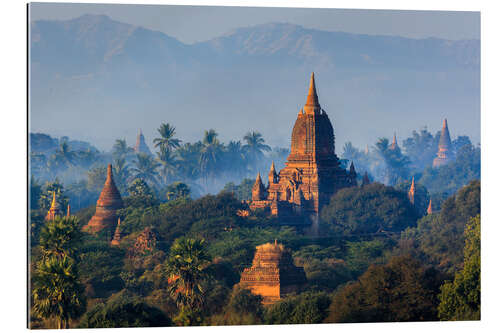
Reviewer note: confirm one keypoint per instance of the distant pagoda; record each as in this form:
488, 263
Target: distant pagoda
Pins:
273, 274
140, 145
55, 208
107, 205
444, 154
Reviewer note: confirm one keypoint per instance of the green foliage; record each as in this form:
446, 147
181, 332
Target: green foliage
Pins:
242, 191
421, 195
99, 268
177, 190
452, 176
141, 195
60, 236
124, 310
396, 164
460, 299
186, 267
56, 291
402, 290
47, 194
368, 209
96, 178
305, 308
441, 236
361, 254
243, 308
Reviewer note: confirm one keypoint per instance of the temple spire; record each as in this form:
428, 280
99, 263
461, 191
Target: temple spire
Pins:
258, 189
55, 208
272, 174
394, 143
68, 211
411, 192
312, 104
429, 208
444, 154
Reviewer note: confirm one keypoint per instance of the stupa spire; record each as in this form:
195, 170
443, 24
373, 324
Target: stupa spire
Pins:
272, 174
258, 189
117, 236
444, 154
312, 103
55, 208
394, 143
68, 211
429, 208
411, 192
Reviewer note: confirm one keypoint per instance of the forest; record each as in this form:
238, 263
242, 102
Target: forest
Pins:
184, 245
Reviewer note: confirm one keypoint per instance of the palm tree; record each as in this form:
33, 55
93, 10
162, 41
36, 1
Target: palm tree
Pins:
60, 236
168, 164
62, 157
57, 294
255, 147
121, 174
120, 149
145, 168
235, 161
167, 140
189, 160
210, 154
185, 267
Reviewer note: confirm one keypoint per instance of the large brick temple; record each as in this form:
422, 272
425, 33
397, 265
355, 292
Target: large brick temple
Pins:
273, 274
312, 173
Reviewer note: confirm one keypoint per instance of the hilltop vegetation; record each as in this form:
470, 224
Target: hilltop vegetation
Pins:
182, 250
130, 285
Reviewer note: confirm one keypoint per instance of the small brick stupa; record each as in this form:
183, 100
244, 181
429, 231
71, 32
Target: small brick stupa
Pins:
118, 235
55, 209
107, 205
444, 154
273, 273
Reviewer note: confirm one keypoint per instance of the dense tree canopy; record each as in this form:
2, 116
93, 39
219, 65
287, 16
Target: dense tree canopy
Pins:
461, 298
368, 209
402, 290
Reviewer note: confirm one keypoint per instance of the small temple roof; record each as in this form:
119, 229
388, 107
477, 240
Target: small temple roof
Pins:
312, 103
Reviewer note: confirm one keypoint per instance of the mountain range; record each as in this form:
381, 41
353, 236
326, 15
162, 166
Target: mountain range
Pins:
98, 79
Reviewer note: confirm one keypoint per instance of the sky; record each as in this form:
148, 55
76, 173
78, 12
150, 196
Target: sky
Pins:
212, 21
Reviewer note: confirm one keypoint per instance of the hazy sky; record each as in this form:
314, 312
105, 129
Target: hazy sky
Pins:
196, 23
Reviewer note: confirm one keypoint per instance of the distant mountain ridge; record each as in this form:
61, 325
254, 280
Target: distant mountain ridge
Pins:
93, 67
